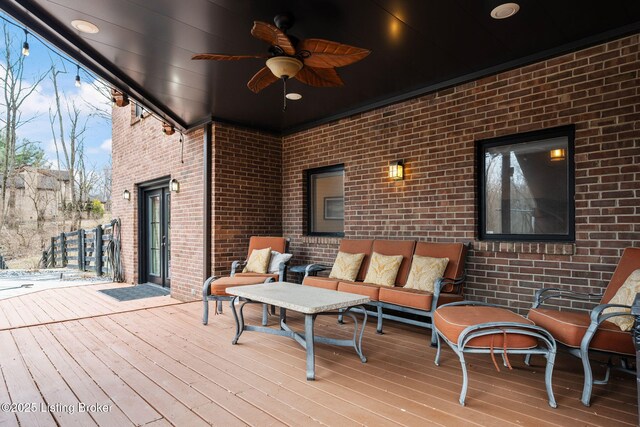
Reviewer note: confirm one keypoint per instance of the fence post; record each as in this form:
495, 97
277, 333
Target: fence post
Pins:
81, 249
63, 250
97, 252
52, 263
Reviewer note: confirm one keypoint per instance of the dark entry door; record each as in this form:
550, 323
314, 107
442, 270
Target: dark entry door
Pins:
157, 218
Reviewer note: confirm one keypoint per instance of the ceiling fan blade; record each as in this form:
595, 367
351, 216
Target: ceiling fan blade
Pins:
327, 54
273, 36
221, 57
319, 77
261, 79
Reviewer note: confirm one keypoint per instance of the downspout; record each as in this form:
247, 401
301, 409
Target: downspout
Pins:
206, 201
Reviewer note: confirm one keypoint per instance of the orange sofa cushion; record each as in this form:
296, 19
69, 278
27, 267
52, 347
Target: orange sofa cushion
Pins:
219, 286
414, 298
397, 247
321, 282
451, 321
456, 252
569, 327
366, 289
358, 247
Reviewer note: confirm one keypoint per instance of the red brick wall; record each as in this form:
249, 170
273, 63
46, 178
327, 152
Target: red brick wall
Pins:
141, 153
596, 89
246, 193
247, 198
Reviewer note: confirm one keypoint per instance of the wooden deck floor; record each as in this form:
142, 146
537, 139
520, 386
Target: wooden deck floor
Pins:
156, 364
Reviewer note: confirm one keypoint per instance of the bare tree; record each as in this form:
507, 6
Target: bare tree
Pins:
70, 143
15, 92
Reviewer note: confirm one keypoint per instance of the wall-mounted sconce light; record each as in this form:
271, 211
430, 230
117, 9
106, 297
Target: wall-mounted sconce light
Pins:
168, 129
557, 154
396, 170
174, 185
126, 195
119, 99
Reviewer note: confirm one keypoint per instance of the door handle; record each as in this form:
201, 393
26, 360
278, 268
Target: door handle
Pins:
164, 241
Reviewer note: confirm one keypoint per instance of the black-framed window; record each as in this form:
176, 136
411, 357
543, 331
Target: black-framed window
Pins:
526, 186
325, 201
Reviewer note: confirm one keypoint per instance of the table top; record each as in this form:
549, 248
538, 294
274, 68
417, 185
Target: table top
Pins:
303, 299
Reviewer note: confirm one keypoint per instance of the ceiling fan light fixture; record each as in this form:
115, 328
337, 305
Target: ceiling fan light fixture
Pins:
505, 10
284, 66
293, 96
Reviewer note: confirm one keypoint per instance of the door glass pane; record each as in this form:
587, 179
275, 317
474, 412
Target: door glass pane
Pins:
155, 236
168, 236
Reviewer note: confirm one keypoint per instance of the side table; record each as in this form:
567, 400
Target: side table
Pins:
635, 310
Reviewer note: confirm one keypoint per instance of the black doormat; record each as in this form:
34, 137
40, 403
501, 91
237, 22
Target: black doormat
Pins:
136, 292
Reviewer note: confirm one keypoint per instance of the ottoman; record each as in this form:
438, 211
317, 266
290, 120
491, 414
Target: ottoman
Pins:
474, 327
216, 290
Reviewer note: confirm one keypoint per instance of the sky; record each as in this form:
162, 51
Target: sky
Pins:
87, 97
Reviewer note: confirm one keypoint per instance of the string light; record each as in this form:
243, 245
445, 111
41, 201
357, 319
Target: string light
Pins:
25, 45
78, 84
144, 112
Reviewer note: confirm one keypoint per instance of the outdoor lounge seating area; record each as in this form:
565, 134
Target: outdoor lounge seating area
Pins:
156, 364
460, 177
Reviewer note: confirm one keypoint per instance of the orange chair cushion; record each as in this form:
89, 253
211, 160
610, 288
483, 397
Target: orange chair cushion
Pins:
451, 321
629, 262
264, 276
397, 247
358, 247
219, 286
367, 289
321, 282
569, 327
262, 242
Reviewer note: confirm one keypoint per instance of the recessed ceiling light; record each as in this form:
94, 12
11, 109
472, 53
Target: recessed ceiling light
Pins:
293, 96
505, 10
84, 26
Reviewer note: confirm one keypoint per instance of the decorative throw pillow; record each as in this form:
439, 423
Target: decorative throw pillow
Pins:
258, 261
425, 271
383, 269
276, 259
625, 296
346, 266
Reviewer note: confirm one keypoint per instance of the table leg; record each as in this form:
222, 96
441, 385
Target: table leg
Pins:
308, 337
283, 318
239, 319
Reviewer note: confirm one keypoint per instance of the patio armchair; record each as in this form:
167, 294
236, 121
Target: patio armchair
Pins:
268, 264
597, 331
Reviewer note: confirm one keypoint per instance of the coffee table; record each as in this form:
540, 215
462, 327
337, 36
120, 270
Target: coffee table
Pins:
307, 300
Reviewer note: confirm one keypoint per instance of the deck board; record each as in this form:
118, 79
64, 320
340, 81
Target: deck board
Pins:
155, 364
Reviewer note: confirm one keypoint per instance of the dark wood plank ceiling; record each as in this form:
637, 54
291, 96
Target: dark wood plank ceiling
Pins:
144, 48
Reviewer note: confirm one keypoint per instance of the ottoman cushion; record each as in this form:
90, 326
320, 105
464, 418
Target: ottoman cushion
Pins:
451, 321
219, 286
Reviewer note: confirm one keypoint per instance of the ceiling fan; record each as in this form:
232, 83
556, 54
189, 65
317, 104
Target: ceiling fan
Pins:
310, 61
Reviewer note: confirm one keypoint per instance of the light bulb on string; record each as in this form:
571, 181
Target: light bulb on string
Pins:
25, 45
78, 84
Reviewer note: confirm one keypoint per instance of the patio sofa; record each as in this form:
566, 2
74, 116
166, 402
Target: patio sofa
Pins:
397, 297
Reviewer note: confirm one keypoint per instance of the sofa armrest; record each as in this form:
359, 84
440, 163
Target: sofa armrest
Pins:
235, 265
309, 269
448, 284
545, 294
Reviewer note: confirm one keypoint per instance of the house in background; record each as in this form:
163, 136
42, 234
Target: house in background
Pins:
40, 193
472, 106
